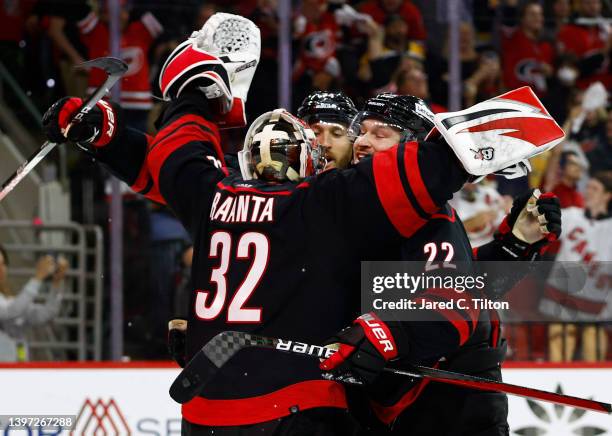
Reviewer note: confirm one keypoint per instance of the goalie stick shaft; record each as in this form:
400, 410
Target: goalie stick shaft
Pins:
225, 345
115, 68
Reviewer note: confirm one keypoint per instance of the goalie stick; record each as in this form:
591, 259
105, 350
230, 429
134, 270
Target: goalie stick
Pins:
206, 362
115, 68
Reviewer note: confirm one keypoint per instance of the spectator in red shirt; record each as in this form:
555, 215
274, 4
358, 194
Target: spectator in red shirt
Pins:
572, 170
589, 38
526, 59
379, 10
136, 40
317, 31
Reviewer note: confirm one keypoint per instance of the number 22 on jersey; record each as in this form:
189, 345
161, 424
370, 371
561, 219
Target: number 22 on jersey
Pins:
251, 245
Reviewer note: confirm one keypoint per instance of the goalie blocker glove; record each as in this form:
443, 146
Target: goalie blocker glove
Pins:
499, 135
96, 129
364, 349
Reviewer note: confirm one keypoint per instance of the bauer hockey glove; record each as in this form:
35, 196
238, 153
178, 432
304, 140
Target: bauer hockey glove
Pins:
219, 60
177, 332
364, 349
533, 222
96, 129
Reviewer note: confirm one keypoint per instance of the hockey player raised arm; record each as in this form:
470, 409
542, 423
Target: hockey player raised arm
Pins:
213, 94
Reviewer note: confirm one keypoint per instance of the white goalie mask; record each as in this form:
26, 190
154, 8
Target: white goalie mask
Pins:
279, 147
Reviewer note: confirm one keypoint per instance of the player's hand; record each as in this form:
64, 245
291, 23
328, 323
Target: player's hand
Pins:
536, 217
177, 332
60, 271
219, 61
533, 222
363, 350
97, 128
45, 267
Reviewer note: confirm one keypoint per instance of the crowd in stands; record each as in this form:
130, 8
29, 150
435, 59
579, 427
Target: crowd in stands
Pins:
560, 48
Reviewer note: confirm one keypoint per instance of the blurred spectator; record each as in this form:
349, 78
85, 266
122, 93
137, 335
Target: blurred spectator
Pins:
184, 289
588, 37
316, 30
13, 17
381, 10
60, 18
203, 13
559, 14
572, 170
589, 129
136, 39
599, 148
527, 60
168, 241
481, 209
263, 95
18, 311
578, 287
480, 73
414, 81
561, 87
388, 49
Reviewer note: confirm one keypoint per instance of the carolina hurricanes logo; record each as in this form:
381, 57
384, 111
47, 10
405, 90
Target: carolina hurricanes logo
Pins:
536, 131
102, 417
134, 57
319, 45
528, 71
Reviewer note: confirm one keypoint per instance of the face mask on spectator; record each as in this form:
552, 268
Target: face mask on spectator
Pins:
567, 75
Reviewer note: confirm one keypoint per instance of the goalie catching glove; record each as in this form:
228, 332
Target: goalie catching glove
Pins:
219, 60
363, 350
96, 129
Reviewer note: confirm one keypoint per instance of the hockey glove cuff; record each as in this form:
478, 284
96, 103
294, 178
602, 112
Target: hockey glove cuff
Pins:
96, 129
364, 348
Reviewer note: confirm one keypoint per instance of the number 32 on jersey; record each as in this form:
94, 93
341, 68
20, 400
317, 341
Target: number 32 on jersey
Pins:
251, 245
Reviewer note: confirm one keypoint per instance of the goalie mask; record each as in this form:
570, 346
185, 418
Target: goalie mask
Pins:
278, 148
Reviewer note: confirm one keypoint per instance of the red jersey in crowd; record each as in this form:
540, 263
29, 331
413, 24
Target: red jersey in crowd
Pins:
12, 19
318, 44
136, 40
408, 11
522, 60
585, 41
568, 196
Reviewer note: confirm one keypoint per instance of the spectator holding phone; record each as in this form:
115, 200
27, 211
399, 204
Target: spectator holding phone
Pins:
19, 311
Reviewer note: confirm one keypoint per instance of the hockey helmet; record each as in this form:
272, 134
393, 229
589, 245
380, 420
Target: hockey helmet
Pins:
279, 147
333, 107
408, 114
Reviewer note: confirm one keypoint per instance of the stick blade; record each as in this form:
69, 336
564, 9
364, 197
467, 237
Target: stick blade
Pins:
109, 64
192, 379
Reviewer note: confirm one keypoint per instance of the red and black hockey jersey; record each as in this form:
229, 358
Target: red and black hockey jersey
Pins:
278, 260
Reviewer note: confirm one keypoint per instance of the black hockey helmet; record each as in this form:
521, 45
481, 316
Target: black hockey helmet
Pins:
406, 113
327, 106
279, 147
